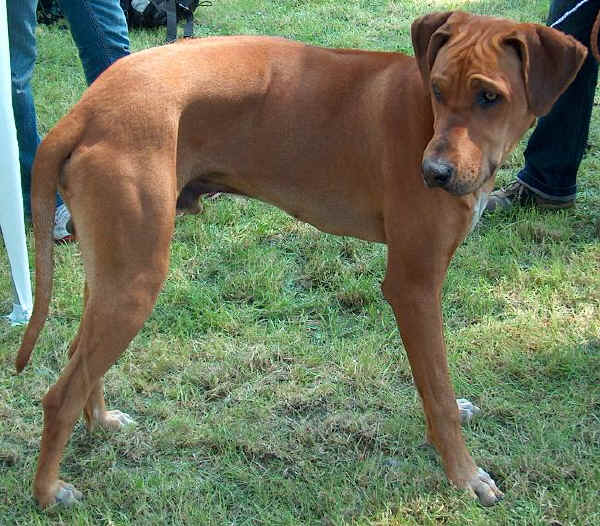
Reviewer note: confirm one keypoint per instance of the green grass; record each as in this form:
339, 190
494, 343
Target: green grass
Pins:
270, 385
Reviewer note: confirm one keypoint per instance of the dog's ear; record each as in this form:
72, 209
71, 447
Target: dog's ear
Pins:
428, 36
550, 59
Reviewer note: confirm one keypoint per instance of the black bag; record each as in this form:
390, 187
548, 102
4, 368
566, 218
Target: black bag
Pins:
155, 13
48, 12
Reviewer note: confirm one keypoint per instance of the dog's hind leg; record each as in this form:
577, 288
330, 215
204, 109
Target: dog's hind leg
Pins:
94, 411
96, 414
100, 344
125, 247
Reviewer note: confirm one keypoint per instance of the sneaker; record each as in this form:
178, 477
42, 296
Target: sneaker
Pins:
63, 226
517, 193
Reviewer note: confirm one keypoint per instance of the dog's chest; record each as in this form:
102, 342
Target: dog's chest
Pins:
481, 199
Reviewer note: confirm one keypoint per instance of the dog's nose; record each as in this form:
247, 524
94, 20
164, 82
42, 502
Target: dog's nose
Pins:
437, 172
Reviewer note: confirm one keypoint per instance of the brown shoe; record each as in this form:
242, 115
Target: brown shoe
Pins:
517, 193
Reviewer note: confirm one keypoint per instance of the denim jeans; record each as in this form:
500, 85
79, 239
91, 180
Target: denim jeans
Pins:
99, 30
558, 142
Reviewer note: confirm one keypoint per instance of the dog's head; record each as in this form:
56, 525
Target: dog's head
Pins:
488, 78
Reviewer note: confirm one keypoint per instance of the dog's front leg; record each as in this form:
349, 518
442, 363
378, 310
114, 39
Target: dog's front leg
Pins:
413, 289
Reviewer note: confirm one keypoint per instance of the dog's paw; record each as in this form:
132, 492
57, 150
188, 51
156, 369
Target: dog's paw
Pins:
60, 493
115, 420
466, 410
67, 494
484, 488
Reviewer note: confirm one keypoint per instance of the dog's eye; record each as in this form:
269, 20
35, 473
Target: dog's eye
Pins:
435, 89
487, 98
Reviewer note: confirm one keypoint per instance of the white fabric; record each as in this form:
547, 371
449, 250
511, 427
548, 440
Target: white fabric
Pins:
11, 202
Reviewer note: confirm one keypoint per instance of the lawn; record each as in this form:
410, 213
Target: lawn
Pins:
270, 385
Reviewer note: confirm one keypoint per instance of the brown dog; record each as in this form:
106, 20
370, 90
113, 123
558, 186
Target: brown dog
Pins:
341, 139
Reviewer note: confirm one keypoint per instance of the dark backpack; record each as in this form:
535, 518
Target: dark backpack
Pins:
140, 13
48, 12
155, 13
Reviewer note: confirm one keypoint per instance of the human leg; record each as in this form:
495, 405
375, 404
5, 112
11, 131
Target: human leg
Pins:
21, 17
99, 30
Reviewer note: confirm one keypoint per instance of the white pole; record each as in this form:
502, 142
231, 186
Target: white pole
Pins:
11, 202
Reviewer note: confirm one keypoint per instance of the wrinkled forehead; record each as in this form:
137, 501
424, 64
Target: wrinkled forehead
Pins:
477, 50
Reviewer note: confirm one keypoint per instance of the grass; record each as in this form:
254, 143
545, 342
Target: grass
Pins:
270, 385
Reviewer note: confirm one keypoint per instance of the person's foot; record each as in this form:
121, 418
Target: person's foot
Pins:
516, 193
63, 226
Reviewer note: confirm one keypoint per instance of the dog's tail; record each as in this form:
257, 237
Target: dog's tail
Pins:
50, 157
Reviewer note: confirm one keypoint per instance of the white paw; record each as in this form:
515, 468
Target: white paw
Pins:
116, 420
67, 494
466, 410
484, 488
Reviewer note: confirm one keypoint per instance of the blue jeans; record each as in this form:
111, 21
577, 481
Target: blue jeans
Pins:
100, 33
558, 142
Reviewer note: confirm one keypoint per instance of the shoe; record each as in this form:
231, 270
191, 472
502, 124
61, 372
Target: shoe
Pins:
517, 193
63, 226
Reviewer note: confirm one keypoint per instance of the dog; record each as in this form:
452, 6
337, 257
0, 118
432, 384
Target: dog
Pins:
381, 146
